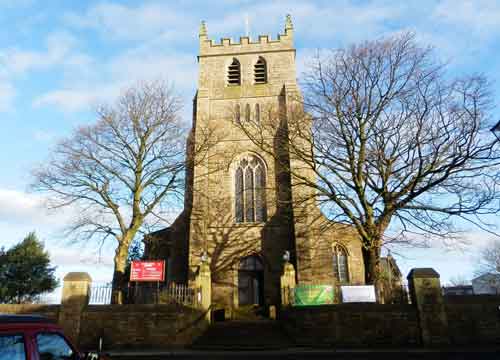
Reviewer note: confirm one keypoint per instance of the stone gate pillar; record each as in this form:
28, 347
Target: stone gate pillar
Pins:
288, 283
75, 297
427, 296
204, 283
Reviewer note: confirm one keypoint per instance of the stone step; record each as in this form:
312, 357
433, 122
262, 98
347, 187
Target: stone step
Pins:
261, 334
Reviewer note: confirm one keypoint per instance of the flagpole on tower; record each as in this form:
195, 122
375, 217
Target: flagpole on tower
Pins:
247, 25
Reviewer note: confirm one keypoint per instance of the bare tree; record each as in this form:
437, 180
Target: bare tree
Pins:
389, 144
459, 280
489, 259
120, 172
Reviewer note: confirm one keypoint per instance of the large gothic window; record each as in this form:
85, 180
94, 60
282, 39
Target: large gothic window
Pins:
234, 73
340, 264
250, 191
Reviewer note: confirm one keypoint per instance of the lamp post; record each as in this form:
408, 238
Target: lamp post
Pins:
286, 256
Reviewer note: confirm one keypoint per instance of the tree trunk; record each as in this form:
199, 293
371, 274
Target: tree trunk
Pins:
373, 271
119, 279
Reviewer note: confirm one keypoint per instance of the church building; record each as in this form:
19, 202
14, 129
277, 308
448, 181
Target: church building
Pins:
243, 211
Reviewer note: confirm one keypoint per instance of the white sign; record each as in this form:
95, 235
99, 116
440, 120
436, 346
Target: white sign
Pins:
361, 293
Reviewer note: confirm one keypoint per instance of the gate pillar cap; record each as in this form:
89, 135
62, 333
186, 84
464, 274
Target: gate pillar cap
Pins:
77, 276
423, 273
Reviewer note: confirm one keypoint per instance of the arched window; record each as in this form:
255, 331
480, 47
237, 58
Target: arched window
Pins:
237, 114
250, 191
340, 264
247, 113
257, 113
234, 73
260, 71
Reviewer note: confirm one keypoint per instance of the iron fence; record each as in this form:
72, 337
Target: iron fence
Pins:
147, 293
100, 294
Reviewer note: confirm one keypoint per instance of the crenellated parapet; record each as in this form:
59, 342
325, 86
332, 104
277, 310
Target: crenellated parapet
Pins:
264, 43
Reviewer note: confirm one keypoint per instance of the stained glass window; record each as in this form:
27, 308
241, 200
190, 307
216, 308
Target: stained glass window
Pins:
250, 191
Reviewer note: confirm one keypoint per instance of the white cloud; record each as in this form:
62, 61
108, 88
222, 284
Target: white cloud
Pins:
314, 22
123, 71
141, 21
21, 213
19, 207
480, 16
77, 98
58, 50
15, 62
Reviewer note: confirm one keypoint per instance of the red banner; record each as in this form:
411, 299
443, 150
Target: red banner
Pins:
147, 271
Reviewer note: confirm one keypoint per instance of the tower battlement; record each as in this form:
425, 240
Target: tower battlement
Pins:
265, 43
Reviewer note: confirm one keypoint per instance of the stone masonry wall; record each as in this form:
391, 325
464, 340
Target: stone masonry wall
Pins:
473, 320
128, 326
357, 325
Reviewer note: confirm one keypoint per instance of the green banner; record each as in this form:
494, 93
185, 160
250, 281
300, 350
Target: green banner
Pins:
313, 295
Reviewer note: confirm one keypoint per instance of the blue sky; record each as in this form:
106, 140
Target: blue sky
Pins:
59, 59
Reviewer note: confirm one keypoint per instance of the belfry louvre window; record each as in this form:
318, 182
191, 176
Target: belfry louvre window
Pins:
250, 191
340, 264
234, 73
260, 71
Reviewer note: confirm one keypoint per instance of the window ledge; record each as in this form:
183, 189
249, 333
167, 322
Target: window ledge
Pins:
249, 224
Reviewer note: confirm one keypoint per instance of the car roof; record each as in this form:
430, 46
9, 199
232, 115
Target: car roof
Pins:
24, 319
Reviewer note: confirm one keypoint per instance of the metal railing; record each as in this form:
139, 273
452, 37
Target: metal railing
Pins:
100, 294
181, 294
147, 293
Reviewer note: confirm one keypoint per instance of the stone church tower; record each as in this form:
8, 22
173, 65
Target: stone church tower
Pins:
239, 213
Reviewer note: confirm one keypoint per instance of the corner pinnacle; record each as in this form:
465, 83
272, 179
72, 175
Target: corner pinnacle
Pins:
203, 28
288, 22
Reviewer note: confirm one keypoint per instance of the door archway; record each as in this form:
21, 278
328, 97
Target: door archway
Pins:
251, 281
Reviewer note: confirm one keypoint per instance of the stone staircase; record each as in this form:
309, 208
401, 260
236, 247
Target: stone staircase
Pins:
250, 330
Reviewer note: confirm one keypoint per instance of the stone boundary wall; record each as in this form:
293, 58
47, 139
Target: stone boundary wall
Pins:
473, 320
356, 325
126, 326
122, 326
432, 320
129, 326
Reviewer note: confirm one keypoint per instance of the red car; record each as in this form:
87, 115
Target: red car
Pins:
32, 337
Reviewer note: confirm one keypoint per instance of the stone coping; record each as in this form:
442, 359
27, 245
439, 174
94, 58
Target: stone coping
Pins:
423, 273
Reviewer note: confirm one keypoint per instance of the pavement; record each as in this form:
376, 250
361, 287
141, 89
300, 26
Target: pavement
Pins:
308, 353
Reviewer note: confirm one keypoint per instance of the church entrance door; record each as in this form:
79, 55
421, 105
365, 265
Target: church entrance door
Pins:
251, 281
